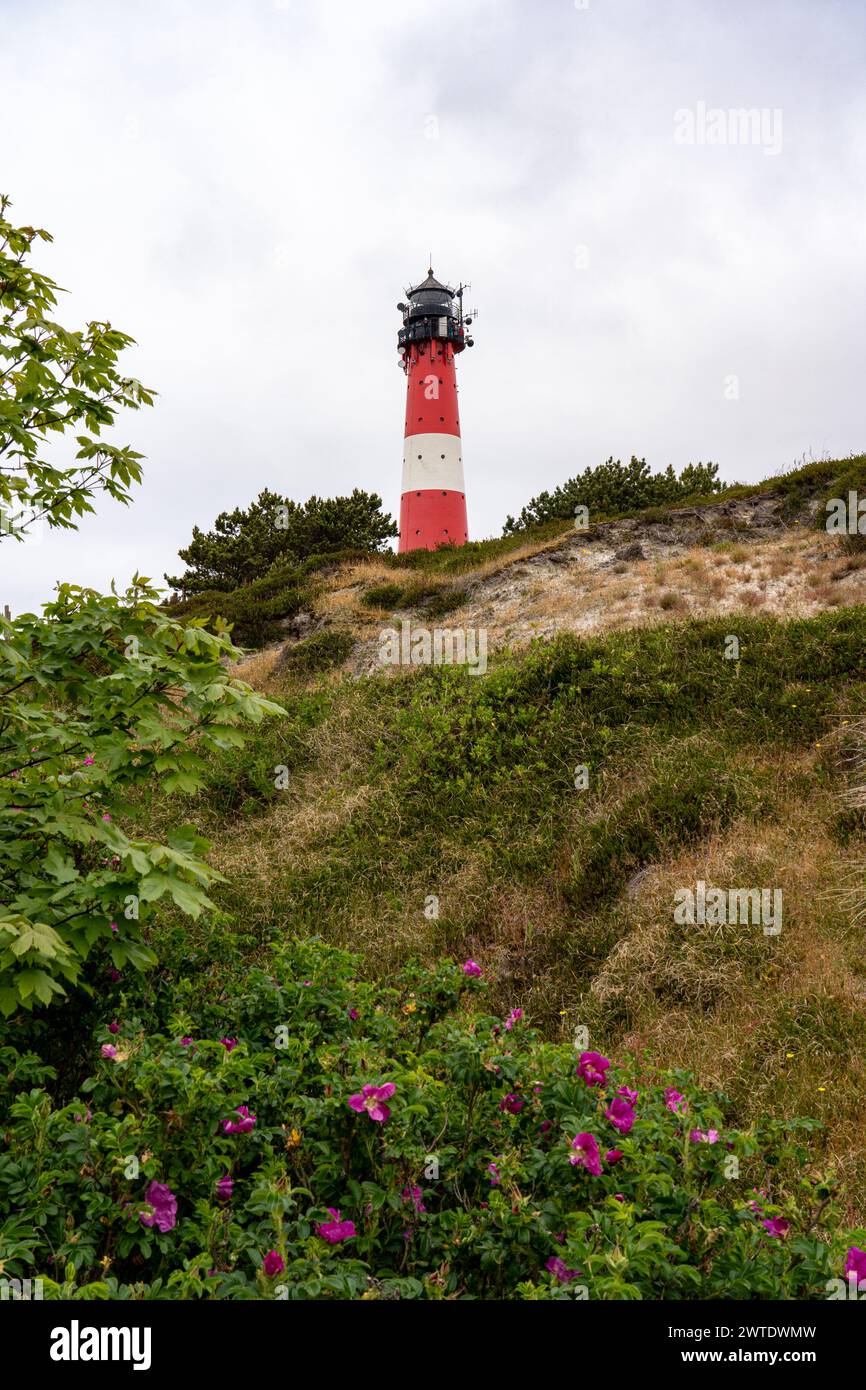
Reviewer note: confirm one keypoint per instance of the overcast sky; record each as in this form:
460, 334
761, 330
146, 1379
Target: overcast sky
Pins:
247, 187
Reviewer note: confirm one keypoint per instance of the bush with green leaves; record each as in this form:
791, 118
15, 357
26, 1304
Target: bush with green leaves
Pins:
613, 487
53, 380
259, 612
432, 597
321, 651
849, 488
97, 696
310, 1134
245, 544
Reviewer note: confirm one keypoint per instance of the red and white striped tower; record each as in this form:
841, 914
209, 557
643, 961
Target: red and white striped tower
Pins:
433, 504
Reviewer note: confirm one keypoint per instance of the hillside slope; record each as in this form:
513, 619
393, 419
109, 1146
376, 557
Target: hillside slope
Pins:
724, 558
424, 811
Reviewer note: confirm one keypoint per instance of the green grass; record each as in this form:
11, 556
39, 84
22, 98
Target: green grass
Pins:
458, 763
435, 782
431, 598
462, 559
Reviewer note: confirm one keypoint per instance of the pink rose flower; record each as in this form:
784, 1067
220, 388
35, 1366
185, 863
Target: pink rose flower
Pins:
560, 1270
371, 1098
620, 1114
674, 1101
414, 1195
592, 1068
776, 1226
163, 1207
336, 1230
512, 1103
243, 1125
586, 1154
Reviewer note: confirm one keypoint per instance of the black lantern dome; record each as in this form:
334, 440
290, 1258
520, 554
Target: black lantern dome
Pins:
435, 311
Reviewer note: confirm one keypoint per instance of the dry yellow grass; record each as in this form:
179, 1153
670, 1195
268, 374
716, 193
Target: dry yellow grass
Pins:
258, 670
715, 998
798, 575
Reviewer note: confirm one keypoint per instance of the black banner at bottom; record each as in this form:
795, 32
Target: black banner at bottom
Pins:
83, 1339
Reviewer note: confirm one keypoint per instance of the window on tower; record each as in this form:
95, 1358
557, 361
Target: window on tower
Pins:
429, 302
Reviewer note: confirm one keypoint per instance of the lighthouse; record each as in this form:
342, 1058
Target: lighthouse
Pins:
433, 502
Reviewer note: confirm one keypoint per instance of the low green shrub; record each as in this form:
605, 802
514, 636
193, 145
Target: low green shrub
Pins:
443, 603
846, 477
319, 652
257, 612
434, 599
383, 596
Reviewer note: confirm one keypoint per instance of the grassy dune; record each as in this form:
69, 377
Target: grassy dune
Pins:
433, 784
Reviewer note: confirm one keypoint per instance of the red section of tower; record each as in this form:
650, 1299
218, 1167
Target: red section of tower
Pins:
432, 517
433, 503
431, 405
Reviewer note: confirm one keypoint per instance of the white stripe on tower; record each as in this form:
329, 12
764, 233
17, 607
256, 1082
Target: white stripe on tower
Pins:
433, 461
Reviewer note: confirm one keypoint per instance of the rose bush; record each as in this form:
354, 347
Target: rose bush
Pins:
308, 1134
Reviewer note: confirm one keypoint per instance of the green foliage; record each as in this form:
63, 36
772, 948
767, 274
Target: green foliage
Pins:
257, 613
464, 1190
444, 602
97, 696
245, 545
52, 381
457, 768
461, 559
320, 652
388, 595
612, 488
682, 804
850, 479
433, 597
